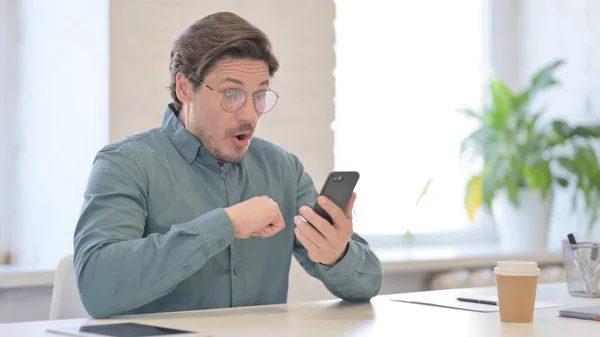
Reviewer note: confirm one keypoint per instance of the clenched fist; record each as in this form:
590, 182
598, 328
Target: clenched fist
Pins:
258, 216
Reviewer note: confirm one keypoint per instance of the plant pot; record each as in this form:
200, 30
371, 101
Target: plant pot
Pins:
523, 228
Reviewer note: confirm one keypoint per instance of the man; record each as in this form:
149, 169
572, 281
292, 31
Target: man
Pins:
197, 213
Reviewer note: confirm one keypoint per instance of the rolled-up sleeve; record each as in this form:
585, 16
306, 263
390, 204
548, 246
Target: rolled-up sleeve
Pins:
358, 275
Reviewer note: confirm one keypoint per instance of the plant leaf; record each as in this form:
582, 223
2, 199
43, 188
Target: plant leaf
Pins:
424, 191
562, 181
512, 190
480, 137
521, 99
588, 196
538, 175
502, 97
490, 186
560, 133
595, 181
543, 78
592, 131
595, 184
586, 162
562, 128
531, 124
473, 196
470, 113
568, 164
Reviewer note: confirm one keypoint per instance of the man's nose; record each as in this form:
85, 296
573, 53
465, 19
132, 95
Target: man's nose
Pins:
247, 113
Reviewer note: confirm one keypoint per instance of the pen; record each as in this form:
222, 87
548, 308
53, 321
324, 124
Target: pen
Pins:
593, 254
472, 300
571, 238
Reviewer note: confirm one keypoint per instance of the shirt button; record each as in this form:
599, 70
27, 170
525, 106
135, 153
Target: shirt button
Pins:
222, 175
187, 268
236, 270
221, 243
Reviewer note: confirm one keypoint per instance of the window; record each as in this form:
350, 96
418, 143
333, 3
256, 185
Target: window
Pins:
54, 112
403, 69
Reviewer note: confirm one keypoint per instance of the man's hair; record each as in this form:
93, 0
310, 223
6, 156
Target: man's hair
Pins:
213, 38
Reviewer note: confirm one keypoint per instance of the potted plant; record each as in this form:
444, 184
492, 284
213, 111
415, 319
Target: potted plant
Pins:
524, 157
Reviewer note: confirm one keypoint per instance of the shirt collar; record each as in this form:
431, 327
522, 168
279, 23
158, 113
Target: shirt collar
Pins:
186, 143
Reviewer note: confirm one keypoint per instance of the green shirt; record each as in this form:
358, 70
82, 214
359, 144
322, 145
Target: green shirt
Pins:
153, 235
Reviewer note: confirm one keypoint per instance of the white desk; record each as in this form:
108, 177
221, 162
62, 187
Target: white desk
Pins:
380, 317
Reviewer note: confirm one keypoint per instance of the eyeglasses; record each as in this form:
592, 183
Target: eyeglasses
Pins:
234, 99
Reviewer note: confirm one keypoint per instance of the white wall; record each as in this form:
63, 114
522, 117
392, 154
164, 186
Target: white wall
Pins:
505, 42
568, 29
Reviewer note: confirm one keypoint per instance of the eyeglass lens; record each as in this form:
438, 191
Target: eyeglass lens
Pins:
233, 100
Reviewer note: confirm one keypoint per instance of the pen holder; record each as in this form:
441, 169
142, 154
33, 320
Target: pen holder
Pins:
582, 263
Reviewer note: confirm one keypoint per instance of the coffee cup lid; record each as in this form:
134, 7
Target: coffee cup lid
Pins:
517, 268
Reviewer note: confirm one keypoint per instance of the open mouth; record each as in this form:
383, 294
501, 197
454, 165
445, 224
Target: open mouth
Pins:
242, 140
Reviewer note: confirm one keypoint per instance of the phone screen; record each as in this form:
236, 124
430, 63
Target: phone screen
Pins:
338, 188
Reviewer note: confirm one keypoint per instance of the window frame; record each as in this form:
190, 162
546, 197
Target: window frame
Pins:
484, 234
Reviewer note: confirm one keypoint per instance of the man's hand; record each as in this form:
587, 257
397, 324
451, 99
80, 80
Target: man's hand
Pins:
258, 216
325, 243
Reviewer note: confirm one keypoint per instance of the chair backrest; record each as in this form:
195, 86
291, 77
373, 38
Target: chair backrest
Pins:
66, 302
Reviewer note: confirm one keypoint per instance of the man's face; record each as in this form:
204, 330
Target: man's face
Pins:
226, 135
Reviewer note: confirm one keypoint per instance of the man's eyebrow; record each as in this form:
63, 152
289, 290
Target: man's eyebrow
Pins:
232, 80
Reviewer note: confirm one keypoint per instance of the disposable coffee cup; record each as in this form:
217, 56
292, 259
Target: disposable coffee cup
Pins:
517, 286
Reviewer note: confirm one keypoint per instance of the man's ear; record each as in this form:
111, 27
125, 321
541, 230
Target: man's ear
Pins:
183, 88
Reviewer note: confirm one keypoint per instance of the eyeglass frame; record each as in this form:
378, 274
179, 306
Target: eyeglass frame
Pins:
245, 99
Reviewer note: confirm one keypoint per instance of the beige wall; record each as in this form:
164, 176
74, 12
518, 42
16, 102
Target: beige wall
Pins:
302, 34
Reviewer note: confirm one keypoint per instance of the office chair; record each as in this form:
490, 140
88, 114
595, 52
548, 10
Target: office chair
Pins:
66, 302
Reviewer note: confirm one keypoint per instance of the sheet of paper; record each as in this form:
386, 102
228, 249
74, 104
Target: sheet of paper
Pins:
449, 301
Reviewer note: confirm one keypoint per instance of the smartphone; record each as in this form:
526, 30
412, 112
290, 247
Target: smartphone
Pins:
338, 188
